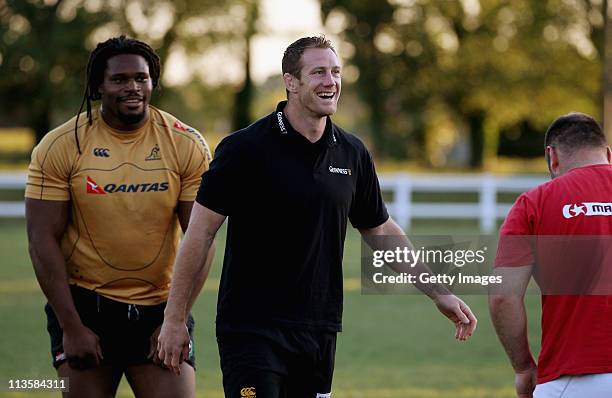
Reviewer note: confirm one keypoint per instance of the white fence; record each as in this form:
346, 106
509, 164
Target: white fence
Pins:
402, 207
487, 210
16, 181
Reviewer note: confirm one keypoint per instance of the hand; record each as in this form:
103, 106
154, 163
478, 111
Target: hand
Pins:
459, 313
525, 382
153, 348
82, 348
173, 345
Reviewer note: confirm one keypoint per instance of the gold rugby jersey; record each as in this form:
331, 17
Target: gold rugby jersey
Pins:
123, 232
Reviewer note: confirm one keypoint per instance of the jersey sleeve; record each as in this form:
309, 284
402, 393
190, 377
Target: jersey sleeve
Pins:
516, 235
368, 209
49, 170
219, 186
197, 162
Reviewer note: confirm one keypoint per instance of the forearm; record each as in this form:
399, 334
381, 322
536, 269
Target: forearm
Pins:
50, 270
200, 278
46, 221
510, 321
189, 264
431, 290
388, 237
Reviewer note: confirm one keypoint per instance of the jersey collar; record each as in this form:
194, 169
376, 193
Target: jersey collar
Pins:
282, 125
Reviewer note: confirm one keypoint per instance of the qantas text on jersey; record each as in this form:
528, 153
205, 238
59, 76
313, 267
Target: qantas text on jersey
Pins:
113, 188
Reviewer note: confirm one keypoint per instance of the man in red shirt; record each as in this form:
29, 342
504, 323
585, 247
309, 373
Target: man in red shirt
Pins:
576, 355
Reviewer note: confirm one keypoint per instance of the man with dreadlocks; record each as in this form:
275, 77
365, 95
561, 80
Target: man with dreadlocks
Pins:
105, 197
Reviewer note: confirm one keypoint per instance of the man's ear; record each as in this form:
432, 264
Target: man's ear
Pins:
552, 158
609, 154
291, 82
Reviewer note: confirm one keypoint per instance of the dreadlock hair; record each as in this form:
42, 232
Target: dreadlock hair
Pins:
97, 65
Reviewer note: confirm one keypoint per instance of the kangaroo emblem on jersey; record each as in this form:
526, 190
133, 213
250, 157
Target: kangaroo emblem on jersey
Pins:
154, 155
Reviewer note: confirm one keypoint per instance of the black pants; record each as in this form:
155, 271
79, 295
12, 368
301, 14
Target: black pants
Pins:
124, 329
277, 363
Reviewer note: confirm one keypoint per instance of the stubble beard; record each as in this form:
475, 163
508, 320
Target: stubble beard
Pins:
131, 118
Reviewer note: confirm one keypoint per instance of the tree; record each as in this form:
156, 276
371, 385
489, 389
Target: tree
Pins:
45, 45
244, 96
363, 22
42, 51
197, 27
486, 65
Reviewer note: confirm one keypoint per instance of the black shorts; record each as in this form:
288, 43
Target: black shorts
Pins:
277, 363
124, 329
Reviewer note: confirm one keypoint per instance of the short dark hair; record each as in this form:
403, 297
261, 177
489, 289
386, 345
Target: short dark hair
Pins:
97, 65
573, 131
293, 54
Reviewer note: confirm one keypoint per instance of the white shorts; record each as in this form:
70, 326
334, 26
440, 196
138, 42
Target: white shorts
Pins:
582, 386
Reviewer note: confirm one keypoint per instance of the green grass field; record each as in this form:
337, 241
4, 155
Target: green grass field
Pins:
392, 346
